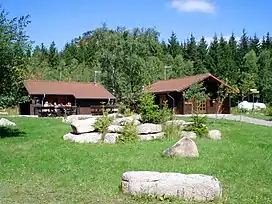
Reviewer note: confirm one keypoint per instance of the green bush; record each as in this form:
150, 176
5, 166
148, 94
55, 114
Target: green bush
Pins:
102, 123
129, 133
150, 112
128, 112
200, 121
171, 131
165, 113
121, 108
124, 110
268, 110
199, 127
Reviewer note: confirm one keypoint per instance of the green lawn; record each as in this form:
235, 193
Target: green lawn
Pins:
38, 166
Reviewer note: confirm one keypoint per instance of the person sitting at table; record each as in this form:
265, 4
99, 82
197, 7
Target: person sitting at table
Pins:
56, 107
46, 104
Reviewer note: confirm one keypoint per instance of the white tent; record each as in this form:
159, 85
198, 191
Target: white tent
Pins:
250, 106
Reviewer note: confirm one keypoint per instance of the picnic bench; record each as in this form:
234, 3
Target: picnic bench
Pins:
98, 109
55, 111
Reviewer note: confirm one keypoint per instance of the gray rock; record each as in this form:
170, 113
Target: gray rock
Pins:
123, 121
185, 147
193, 187
111, 138
175, 122
115, 128
71, 118
93, 137
188, 134
188, 124
137, 117
148, 128
6, 123
214, 134
155, 136
83, 126
115, 115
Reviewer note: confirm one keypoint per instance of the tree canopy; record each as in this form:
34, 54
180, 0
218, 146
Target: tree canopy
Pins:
14, 50
130, 59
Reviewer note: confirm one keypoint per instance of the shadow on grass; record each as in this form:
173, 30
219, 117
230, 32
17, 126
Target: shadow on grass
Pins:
10, 132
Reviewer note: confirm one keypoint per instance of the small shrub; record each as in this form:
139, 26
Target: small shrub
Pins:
268, 110
235, 111
124, 110
148, 109
128, 112
200, 131
199, 127
165, 113
199, 121
171, 131
151, 113
102, 123
121, 108
129, 133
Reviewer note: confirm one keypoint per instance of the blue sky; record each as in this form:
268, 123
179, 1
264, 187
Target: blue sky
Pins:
62, 20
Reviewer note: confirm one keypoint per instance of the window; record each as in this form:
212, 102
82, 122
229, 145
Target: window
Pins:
202, 107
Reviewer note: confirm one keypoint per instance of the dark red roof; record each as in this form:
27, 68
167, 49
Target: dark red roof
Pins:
77, 89
179, 84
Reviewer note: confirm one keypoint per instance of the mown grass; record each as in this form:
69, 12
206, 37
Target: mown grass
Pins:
37, 166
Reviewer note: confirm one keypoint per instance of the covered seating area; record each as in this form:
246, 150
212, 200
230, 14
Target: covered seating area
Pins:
57, 99
55, 110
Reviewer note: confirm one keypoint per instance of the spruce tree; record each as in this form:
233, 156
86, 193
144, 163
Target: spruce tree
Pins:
265, 76
232, 68
254, 44
201, 58
243, 47
174, 48
53, 57
213, 57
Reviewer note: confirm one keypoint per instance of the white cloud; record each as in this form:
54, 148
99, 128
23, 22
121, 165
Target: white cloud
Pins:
204, 6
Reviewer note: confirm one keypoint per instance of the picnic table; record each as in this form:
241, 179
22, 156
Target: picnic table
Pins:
55, 111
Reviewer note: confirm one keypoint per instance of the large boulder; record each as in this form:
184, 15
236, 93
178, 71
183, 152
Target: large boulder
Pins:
83, 126
93, 137
193, 187
71, 118
188, 134
115, 128
175, 122
111, 138
125, 120
148, 128
6, 123
214, 134
155, 136
136, 117
185, 147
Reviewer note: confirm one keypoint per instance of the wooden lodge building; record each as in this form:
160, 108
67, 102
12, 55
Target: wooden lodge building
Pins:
86, 97
172, 91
